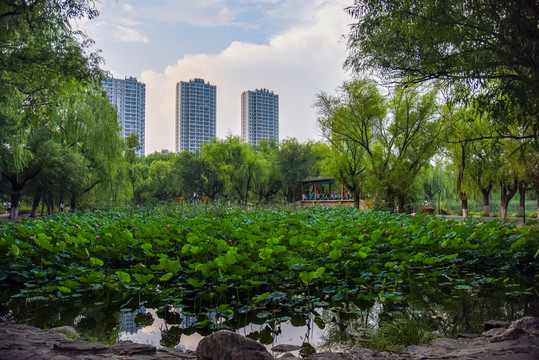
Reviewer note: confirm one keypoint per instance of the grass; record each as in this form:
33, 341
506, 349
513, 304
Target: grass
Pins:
400, 332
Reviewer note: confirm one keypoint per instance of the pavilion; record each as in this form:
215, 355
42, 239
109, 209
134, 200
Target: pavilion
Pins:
315, 182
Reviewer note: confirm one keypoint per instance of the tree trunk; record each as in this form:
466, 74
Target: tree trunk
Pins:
486, 200
486, 204
464, 203
402, 203
35, 203
73, 203
522, 203
507, 193
460, 177
15, 200
51, 200
537, 195
356, 199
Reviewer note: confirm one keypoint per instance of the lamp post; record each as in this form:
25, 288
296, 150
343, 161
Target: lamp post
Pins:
439, 191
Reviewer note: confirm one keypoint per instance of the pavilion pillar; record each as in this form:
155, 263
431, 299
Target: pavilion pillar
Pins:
342, 191
315, 191
330, 191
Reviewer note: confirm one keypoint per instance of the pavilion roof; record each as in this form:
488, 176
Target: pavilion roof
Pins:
318, 180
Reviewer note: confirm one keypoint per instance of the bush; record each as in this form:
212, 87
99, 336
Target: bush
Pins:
400, 332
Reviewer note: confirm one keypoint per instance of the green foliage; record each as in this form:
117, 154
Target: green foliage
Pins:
259, 262
58, 132
485, 49
40, 57
236, 163
382, 142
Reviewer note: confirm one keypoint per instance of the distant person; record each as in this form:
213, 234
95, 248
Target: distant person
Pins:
8, 207
61, 207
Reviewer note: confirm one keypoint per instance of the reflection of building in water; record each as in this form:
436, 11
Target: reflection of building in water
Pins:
127, 320
188, 321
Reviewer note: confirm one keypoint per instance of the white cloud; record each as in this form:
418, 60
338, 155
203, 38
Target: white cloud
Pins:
128, 34
127, 7
296, 64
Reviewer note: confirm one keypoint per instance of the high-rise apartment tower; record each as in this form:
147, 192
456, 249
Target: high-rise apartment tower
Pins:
195, 114
129, 97
259, 116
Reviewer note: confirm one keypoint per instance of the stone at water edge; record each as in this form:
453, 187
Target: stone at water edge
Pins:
68, 331
525, 327
285, 348
494, 324
228, 345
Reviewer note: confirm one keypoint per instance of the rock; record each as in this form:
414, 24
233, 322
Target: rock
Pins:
328, 356
362, 353
289, 356
176, 354
468, 336
130, 348
520, 342
493, 332
525, 327
493, 324
285, 348
80, 347
27, 342
68, 331
228, 345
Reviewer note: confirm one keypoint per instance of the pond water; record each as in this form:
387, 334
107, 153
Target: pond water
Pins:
446, 311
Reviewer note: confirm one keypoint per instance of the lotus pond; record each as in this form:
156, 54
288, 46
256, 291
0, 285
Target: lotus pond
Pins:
321, 277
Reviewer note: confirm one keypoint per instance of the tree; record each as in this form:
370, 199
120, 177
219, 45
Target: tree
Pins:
438, 182
267, 182
348, 160
397, 135
462, 124
88, 125
40, 57
294, 162
161, 180
236, 164
525, 163
39, 54
195, 176
486, 46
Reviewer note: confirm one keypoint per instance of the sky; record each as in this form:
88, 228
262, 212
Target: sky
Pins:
295, 48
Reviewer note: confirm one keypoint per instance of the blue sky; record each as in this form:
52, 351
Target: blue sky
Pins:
292, 47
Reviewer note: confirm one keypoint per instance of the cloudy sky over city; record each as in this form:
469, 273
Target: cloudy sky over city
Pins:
295, 48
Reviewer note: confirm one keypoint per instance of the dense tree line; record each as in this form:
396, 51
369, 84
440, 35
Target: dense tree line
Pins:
454, 116
229, 170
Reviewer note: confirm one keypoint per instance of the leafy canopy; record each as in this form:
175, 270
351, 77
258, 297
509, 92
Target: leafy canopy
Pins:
486, 48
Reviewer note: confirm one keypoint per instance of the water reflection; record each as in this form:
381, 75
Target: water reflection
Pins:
445, 309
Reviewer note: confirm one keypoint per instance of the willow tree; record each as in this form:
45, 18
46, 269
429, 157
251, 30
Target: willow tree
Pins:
349, 122
88, 125
397, 134
40, 55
